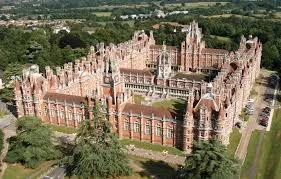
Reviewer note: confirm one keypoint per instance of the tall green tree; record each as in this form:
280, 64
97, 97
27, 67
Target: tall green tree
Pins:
33, 143
97, 152
209, 160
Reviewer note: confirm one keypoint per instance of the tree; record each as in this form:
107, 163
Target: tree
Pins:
97, 151
33, 143
209, 160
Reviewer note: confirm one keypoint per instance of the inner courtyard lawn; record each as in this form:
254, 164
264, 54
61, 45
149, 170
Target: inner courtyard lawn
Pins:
175, 105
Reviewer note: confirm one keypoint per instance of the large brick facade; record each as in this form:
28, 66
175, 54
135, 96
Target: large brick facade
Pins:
114, 73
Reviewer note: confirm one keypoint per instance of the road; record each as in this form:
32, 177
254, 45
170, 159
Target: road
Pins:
57, 173
263, 91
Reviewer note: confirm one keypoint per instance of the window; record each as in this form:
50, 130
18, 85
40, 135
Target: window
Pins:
147, 128
69, 114
170, 132
79, 116
62, 114
45, 110
187, 132
202, 133
136, 127
158, 130
187, 139
53, 112
126, 125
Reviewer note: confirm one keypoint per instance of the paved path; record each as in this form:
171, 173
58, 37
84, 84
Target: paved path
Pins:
263, 89
7, 124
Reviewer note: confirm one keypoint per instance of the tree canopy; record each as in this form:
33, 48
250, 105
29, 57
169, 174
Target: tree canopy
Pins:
33, 143
209, 160
97, 152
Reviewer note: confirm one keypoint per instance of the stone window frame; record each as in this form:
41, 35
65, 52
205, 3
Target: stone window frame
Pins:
46, 110
126, 125
62, 114
147, 130
158, 130
136, 126
170, 132
53, 111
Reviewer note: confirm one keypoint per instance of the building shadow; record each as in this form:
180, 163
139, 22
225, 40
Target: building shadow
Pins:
157, 169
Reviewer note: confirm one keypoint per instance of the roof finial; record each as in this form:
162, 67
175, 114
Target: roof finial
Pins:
164, 46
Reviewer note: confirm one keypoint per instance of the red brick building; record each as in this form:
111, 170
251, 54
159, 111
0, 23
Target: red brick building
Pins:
214, 82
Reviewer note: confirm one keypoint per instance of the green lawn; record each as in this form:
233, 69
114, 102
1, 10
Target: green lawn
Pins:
251, 151
269, 165
146, 168
225, 39
176, 105
18, 171
138, 99
235, 137
63, 129
153, 147
3, 113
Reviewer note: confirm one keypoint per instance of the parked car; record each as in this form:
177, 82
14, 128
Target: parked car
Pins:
264, 123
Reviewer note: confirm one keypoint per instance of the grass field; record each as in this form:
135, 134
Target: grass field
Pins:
235, 137
145, 168
153, 147
251, 152
192, 5
176, 105
18, 171
102, 14
226, 39
269, 165
63, 129
138, 99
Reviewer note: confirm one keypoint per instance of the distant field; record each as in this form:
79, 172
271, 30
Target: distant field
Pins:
226, 39
102, 14
192, 5
118, 6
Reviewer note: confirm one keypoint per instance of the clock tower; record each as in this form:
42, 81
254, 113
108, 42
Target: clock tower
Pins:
112, 79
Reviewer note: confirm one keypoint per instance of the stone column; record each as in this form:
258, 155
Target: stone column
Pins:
152, 129
164, 132
65, 114
141, 127
131, 126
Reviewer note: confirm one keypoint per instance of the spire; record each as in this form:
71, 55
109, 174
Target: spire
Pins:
164, 48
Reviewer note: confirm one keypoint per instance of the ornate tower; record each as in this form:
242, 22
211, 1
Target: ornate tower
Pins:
164, 64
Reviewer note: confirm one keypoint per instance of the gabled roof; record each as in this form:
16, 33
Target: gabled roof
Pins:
208, 100
148, 110
64, 98
135, 72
